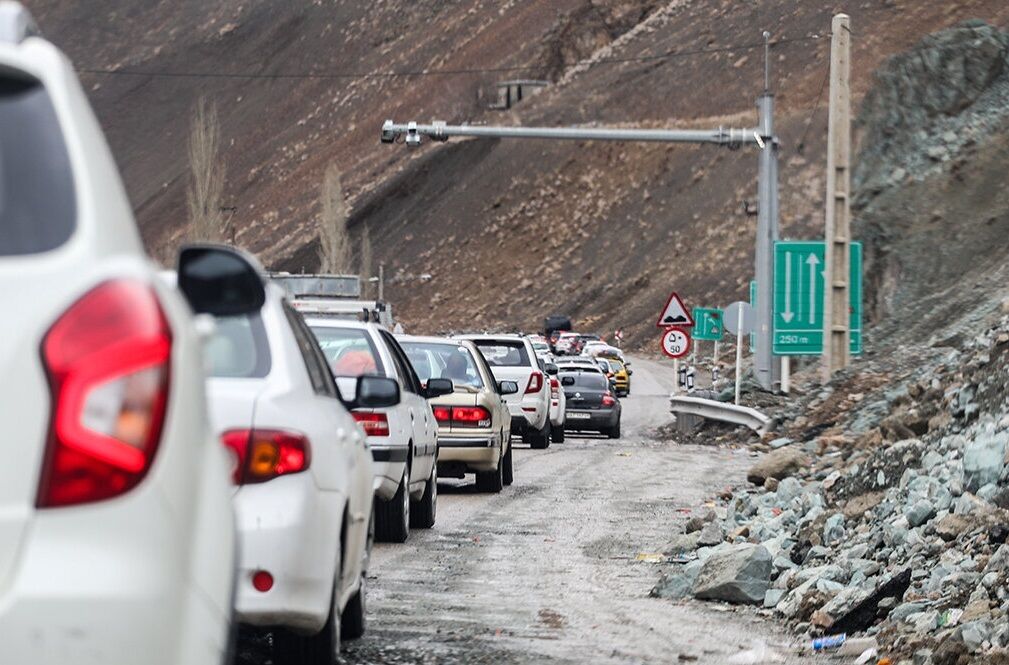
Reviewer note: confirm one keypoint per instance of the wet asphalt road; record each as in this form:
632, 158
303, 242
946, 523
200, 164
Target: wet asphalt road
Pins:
545, 572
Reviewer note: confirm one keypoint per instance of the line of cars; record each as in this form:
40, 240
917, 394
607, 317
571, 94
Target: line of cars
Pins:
196, 448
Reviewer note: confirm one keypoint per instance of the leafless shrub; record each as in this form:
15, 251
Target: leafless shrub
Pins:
366, 268
334, 242
206, 186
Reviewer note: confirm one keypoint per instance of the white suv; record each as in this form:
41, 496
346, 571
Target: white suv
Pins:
512, 358
403, 439
116, 529
304, 498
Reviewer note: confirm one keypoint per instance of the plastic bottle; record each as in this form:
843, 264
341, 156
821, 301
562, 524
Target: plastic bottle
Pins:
828, 643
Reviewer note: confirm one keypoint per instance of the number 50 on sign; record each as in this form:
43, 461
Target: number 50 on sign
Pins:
675, 342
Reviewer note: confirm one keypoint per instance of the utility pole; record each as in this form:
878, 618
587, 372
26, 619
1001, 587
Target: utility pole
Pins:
381, 281
837, 236
762, 136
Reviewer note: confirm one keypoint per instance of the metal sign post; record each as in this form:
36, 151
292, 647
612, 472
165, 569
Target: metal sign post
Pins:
740, 319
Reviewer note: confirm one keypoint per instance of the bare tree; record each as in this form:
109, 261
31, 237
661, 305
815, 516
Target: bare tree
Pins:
334, 242
206, 220
366, 270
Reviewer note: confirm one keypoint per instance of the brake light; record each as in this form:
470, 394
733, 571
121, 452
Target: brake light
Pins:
107, 359
535, 382
471, 416
374, 424
442, 414
264, 454
608, 400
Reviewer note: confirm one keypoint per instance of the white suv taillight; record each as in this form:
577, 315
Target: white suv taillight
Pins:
107, 359
535, 383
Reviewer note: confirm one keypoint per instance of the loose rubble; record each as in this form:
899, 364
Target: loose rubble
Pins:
885, 514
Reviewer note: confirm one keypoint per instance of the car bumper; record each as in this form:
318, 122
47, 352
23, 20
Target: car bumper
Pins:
106, 583
590, 420
388, 465
462, 454
287, 527
528, 415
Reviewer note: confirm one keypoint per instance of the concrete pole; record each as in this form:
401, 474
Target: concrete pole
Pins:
767, 371
837, 232
381, 281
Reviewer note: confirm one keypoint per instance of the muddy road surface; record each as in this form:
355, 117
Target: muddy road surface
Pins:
545, 572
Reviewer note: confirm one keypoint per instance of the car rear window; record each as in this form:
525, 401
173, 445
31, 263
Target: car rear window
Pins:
500, 353
239, 348
38, 208
443, 361
350, 351
588, 380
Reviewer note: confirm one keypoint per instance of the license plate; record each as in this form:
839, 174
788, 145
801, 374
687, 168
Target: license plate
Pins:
579, 416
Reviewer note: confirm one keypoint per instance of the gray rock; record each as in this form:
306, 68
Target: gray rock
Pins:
772, 597
781, 442
983, 460
681, 544
677, 583
973, 634
712, 534
788, 489
921, 512
739, 574
904, 610
833, 529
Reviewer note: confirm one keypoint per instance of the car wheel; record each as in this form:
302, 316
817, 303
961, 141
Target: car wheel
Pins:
614, 432
423, 513
352, 622
541, 439
392, 517
557, 434
509, 475
323, 648
491, 481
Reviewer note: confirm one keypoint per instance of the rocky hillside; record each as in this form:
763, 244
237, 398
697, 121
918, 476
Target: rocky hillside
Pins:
510, 230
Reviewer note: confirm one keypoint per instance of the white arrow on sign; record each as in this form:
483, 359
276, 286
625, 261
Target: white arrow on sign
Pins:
812, 262
788, 314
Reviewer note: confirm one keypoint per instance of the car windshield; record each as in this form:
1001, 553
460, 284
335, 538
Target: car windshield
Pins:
238, 348
501, 353
605, 366
588, 380
443, 361
350, 351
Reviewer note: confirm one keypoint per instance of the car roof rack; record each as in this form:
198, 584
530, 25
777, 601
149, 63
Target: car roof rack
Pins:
16, 23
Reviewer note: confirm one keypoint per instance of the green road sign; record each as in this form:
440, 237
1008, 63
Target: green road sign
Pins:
707, 324
799, 298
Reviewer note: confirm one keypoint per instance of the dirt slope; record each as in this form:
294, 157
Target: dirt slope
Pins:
509, 230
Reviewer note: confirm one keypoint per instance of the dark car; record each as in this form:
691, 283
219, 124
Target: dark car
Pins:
592, 405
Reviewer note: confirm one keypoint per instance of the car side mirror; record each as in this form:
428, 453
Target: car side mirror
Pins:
439, 387
551, 369
613, 383
220, 280
567, 380
508, 387
375, 392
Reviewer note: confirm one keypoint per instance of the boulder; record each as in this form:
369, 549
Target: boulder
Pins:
681, 544
738, 574
983, 460
678, 582
778, 464
712, 534
950, 526
921, 512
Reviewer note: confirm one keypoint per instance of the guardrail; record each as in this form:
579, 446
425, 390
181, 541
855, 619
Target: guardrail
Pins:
722, 411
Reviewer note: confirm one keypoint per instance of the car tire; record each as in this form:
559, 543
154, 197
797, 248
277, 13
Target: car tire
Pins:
392, 517
491, 481
614, 432
508, 473
352, 619
424, 512
557, 434
323, 648
541, 439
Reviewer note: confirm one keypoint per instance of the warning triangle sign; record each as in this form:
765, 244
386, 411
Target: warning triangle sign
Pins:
674, 314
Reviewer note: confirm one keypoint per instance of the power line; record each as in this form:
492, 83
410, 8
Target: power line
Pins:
431, 72
816, 107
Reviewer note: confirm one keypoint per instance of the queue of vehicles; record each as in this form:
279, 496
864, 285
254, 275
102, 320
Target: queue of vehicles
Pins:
215, 446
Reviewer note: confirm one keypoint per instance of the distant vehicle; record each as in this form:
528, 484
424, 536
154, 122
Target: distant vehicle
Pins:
556, 323
568, 344
621, 376
591, 404
511, 358
558, 415
303, 474
603, 350
337, 296
541, 349
474, 424
403, 439
582, 362
116, 530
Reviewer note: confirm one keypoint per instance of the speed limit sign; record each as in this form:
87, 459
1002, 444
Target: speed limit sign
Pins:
675, 342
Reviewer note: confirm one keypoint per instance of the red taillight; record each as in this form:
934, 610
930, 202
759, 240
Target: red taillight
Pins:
442, 414
264, 454
374, 424
262, 581
555, 387
535, 382
471, 416
107, 359
608, 400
